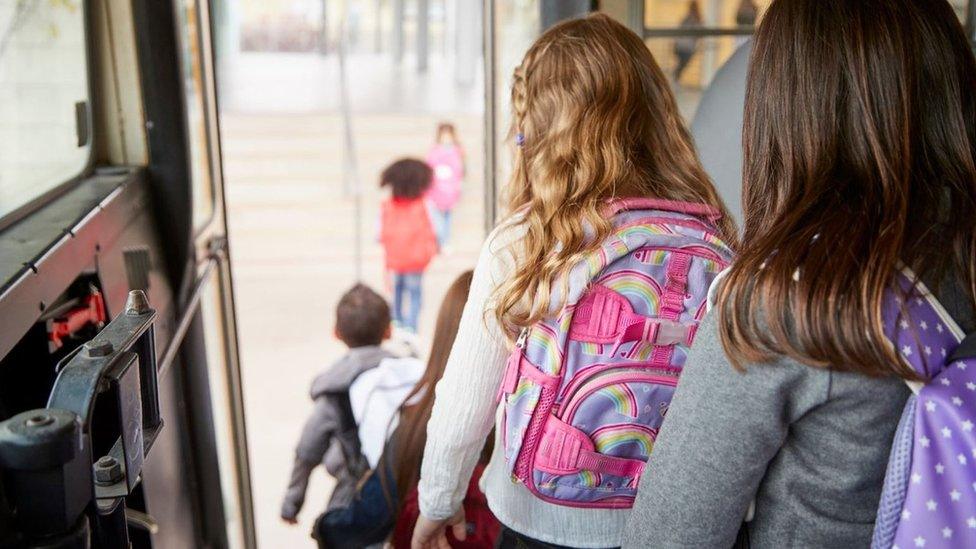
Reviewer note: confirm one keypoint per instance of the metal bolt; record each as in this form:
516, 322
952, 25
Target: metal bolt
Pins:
137, 303
99, 348
107, 470
40, 420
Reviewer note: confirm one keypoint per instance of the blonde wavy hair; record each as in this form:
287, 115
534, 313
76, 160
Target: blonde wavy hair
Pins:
595, 120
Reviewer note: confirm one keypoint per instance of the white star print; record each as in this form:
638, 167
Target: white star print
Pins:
971, 522
903, 324
946, 432
918, 300
955, 495
967, 426
906, 350
906, 514
962, 459
916, 478
961, 365
923, 325
931, 505
945, 381
938, 327
939, 468
930, 406
971, 386
947, 532
928, 350
942, 352
919, 541
924, 441
956, 401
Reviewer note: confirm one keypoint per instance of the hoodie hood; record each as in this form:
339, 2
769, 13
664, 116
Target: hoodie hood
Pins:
376, 397
345, 370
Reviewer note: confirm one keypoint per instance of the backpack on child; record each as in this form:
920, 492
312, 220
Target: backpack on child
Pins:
375, 398
586, 391
407, 235
365, 410
929, 495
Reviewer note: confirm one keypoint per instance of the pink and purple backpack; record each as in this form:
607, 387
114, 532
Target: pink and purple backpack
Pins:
929, 495
586, 390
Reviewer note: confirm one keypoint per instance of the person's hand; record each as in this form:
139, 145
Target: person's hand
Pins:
432, 534
290, 521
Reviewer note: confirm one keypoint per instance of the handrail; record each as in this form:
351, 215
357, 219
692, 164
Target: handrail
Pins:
188, 313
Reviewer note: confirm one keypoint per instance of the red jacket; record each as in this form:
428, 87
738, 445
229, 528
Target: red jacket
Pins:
407, 235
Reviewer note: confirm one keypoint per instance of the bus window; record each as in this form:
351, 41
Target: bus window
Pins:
692, 39
44, 114
197, 110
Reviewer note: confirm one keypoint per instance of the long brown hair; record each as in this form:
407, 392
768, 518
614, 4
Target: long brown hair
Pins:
411, 433
860, 127
595, 119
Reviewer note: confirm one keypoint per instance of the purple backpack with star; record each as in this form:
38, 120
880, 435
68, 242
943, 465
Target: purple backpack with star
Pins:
586, 389
929, 495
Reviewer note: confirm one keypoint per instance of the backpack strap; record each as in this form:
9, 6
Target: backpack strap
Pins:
919, 328
705, 211
347, 434
606, 317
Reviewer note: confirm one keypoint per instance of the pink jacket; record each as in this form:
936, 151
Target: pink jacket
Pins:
447, 161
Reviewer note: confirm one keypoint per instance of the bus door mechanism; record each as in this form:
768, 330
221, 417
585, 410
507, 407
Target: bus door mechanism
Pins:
64, 494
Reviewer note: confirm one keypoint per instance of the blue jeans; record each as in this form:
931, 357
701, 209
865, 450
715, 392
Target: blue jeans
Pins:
442, 225
407, 286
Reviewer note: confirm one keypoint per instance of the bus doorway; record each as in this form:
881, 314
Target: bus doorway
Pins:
316, 99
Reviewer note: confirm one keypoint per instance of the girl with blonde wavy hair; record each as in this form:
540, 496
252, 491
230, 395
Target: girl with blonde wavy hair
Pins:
594, 121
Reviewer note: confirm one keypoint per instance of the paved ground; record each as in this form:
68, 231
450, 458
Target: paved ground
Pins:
292, 228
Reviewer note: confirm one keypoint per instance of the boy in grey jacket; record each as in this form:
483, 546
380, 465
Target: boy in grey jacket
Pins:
330, 435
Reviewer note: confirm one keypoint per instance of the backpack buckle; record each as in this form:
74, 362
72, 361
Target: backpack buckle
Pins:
656, 331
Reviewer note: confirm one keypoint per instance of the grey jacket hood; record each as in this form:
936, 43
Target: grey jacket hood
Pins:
344, 371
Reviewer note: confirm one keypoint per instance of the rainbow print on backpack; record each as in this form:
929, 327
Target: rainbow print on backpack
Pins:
586, 391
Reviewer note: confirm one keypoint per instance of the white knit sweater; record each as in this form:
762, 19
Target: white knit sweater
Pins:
464, 412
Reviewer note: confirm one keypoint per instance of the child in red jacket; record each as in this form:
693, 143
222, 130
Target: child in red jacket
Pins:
407, 234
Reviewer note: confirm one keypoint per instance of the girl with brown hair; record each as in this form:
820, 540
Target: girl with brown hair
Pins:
386, 502
594, 121
859, 162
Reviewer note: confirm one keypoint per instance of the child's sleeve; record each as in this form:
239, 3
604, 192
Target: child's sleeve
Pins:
315, 440
464, 408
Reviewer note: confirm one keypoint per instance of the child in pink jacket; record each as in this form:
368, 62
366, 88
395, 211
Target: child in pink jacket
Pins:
446, 158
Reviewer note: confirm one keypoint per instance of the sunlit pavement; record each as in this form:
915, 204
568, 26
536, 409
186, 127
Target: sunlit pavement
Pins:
292, 239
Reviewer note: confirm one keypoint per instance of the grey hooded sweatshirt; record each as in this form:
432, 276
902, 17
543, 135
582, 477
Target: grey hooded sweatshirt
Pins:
321, 440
